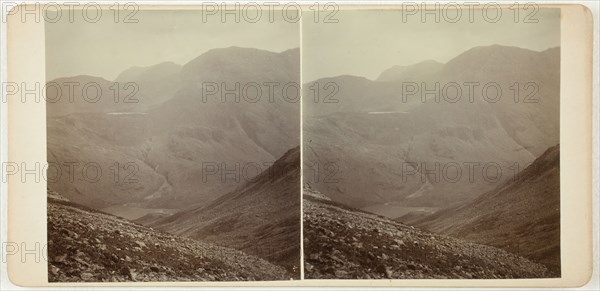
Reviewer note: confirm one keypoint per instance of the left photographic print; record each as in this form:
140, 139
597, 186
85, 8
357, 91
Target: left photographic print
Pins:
173, 146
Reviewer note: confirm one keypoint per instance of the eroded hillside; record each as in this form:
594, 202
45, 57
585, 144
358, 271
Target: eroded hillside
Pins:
91, 246
521, 216
346, 243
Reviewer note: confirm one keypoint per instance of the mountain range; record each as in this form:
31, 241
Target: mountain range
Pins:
401, 181
215, 167
172, 148
397, 144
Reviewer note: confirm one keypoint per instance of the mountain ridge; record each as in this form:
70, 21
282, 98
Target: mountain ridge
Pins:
86, 245
345, 243
261, 217
521, 215
167, 140
377, 126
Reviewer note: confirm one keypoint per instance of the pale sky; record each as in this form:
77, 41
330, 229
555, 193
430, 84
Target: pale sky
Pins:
366, 42
106, 48
362, 43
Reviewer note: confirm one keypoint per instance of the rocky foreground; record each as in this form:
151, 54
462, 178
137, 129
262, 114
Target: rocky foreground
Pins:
521, 216
87, 245
345, 243
260, 218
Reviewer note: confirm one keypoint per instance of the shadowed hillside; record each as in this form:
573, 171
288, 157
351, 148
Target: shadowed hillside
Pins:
521, 216
152, 153
345, 243
91, 246
381, 136
261, 218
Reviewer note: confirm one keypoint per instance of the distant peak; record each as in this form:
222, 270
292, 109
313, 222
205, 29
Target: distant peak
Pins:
136, 72
428, 62
80, 77
233, 49
419, 69
552, 50
496, 48
347, 78
292, 51
491, 56
296, 49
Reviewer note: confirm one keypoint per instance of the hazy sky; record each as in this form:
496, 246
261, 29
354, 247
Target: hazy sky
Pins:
365, 43
106, 48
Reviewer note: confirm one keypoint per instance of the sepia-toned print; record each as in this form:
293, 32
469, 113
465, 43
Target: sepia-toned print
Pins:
298, 145
431, 144
173, 145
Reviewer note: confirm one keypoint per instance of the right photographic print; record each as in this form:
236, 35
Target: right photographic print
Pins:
431, 143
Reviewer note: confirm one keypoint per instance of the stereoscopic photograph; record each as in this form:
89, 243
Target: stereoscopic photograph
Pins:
297, 145
431, 144
173, 144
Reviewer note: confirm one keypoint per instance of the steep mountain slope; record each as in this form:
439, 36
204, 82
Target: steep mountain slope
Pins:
156, 83
223, 63
97, 159
264, 103
346, 243
91, 246
352, 94
521, 216
156, 158
135, 90
261, 218
389, 144
87, 94
158, 71
415, 72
